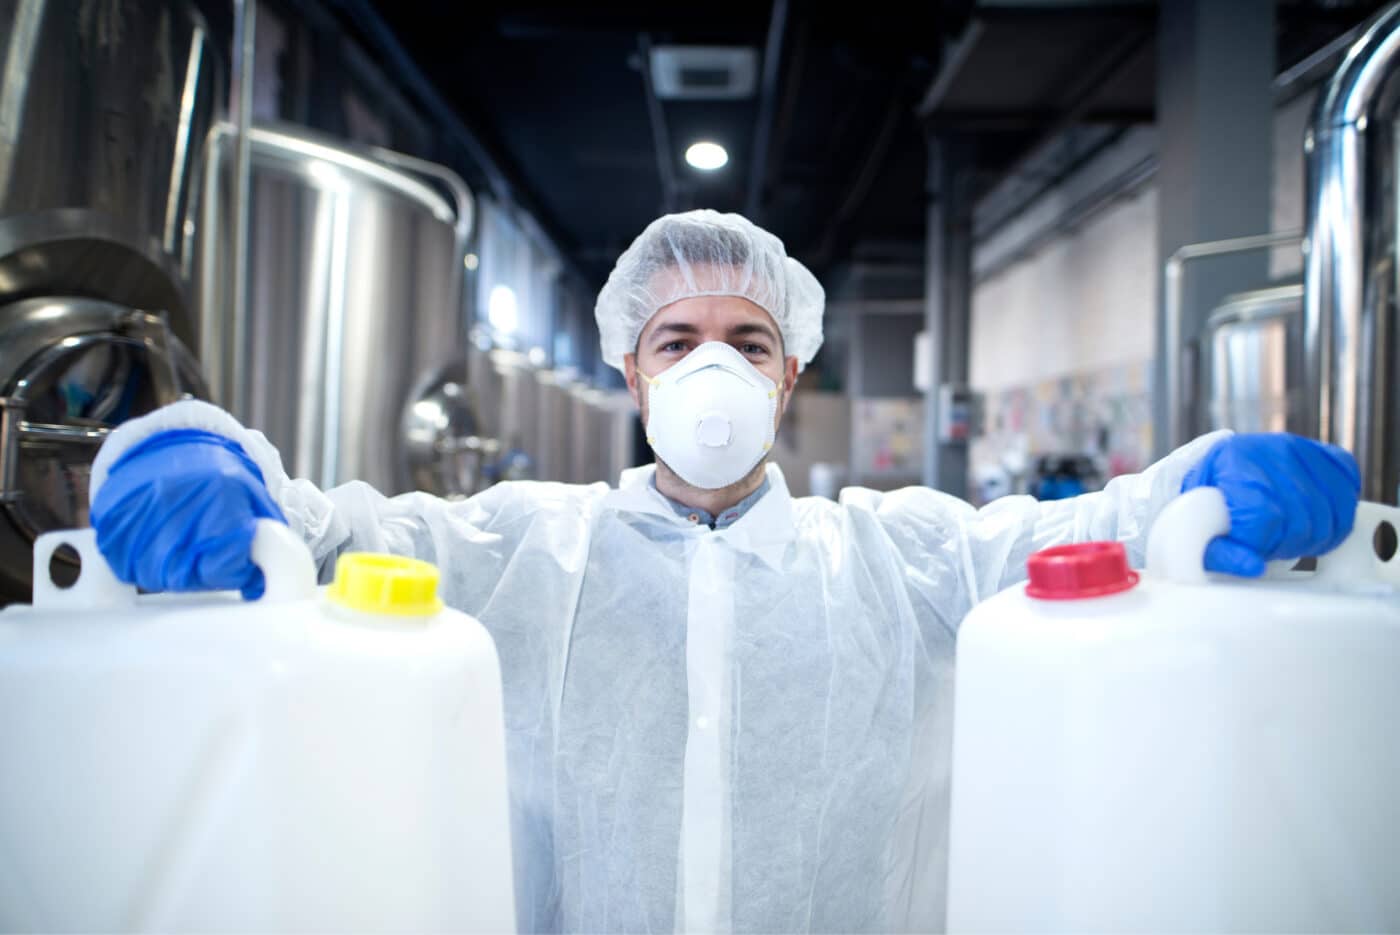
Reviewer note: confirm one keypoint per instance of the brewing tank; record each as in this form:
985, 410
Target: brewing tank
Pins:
1253, 347
104, 113
355, 303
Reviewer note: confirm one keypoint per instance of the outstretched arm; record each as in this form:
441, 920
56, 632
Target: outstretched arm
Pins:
955, 555
176, 495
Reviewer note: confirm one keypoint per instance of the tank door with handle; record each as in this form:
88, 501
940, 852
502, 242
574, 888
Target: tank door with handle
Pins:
71, 369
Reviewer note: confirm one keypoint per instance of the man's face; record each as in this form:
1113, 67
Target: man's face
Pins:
682, 326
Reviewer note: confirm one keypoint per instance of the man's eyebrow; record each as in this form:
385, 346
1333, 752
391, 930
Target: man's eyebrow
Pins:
678, 327
752, 328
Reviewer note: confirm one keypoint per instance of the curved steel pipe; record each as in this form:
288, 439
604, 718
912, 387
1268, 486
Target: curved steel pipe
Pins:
1174, 272
1350, 257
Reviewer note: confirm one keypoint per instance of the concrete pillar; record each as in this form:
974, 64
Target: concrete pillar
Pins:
1215, 68
947, 301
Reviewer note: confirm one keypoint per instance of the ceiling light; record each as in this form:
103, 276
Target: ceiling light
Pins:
706, 156
501, 310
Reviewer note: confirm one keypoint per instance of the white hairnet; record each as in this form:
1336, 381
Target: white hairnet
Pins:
707, 253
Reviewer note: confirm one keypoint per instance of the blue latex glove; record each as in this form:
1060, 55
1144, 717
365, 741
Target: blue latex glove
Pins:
177, 513
1288, 497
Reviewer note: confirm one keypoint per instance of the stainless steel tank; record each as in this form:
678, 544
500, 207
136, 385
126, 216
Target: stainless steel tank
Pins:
604, 434
590, 432
104, 108
355, 303
621, 428
506, 388
518, 405
446, 447
1253, 345
1351, 323
554, 430
582, 434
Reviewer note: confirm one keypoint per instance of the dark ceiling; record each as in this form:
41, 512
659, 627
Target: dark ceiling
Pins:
554, 91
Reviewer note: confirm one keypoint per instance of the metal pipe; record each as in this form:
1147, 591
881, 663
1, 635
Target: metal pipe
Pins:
1350, 254
947, 305
332, 430
956, 52
15, 431
245, 29
866, 176
11, 418
1307, 74
383, 44
178, 165
1120, 187
767, 101
1173, 272
462, 230
461, 194
49, 433
507, 187
660, 133
212, 308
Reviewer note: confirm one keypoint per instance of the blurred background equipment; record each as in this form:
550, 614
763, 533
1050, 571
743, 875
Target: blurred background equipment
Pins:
103, 112
1059, 477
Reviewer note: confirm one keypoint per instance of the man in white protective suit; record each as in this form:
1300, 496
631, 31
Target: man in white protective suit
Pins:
726, 709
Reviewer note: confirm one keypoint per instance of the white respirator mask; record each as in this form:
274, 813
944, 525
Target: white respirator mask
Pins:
711, 416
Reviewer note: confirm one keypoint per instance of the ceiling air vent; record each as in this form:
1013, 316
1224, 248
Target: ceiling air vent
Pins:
704, 72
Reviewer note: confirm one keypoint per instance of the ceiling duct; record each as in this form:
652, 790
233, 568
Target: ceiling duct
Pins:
704, 73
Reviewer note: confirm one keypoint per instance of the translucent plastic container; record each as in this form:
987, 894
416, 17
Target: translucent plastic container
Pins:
329, 761
1184, 752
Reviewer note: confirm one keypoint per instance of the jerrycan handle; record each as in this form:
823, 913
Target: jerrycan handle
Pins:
1367, 555
282, 557
97, 585
285, 563
1176, 547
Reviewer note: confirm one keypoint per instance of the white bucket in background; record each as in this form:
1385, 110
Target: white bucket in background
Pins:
1184, 753
201, 763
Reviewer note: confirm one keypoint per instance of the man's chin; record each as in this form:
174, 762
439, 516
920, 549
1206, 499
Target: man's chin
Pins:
746, 480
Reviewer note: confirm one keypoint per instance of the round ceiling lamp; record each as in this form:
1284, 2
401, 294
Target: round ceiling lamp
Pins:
706, 156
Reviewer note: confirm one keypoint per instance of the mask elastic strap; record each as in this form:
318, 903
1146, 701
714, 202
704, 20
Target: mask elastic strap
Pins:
650, 380
773, 394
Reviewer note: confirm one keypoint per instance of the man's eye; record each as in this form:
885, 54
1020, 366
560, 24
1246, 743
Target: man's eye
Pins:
672, 346
753, 349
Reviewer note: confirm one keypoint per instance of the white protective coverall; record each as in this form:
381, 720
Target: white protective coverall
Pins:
745, 729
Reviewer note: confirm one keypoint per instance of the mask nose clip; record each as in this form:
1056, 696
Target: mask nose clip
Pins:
713, 430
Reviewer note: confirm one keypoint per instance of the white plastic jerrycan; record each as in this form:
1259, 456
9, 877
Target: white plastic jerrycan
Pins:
329, 761
1181, 752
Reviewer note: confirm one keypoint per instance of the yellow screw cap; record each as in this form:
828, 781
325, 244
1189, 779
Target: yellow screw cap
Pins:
385, 584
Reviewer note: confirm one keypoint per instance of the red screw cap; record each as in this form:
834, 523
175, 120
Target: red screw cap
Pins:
1072, 572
